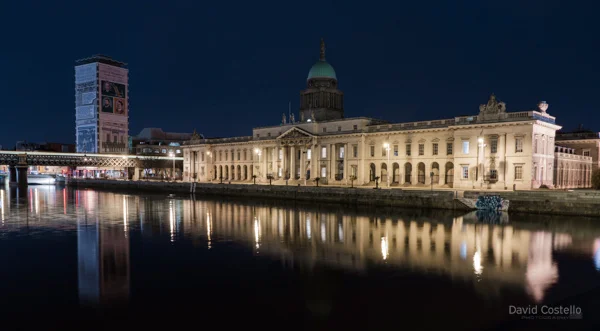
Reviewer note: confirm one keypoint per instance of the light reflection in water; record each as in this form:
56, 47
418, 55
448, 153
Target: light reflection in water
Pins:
2, 203
384, 248
257, 232
511, 255
208, 229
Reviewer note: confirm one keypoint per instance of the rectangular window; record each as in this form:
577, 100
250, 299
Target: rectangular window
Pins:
465, 172
308, 154
421, 149
518, 145
245, 155
323, 172
339, 128
220, 155
201, 171
164, 151
202, 156
281, 154
535, 145
269, 134
108, 137
494, 146
353, 170
324, 129
384, 151
342, 152
448, 148
355, 127
518, 172
279, 172
354, 150
586, 153
493, 174
395, 150
239, 155
372, 151
408, 149
465, 147
435, 149
324, 152
178, 151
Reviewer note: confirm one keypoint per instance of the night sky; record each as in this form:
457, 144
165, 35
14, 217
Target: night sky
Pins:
224, 67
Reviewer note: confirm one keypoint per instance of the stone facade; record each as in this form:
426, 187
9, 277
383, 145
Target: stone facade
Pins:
571, 170
493, 149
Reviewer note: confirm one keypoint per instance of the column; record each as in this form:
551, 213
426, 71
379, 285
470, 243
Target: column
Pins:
292, 162
274, 156
12, 170
284, 161
22, 176
361, 162
302, 163
332, 162
346, 163
316, 161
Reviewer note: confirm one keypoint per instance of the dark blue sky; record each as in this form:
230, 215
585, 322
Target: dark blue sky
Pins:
224, 67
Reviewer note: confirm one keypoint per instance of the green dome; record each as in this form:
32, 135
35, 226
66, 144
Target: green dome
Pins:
321, 69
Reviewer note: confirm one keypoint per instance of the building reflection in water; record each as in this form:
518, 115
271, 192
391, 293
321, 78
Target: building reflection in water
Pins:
102, 249
500, 254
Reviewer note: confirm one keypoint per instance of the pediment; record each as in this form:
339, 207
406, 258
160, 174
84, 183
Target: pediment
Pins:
295, 133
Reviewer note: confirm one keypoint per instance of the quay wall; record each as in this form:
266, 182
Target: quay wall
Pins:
580, 203
322, 194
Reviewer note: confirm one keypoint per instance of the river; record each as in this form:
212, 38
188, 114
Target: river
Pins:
111, 260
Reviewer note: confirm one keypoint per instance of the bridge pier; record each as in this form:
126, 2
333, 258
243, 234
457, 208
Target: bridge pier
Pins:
22, 176
12, 171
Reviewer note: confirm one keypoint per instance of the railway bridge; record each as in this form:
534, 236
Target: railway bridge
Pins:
18, 162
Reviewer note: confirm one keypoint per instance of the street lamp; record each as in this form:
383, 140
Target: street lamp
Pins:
258, 152
171, 154
386, 146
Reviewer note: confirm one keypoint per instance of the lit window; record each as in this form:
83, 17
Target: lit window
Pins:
465, 147
448, 148
372, 151
518, 172
408, 152
341, 152
164, 151
421, 149
323, 172
518, 145
383, 151
281, 154
324, 152
435, 149
178, 151
465, 172
308, 154
494, 146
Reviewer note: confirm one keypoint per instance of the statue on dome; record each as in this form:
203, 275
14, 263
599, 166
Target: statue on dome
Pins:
292, 119
283, 121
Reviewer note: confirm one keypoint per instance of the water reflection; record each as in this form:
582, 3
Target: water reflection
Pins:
488, 250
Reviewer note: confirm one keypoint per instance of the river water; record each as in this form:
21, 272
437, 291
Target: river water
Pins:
112, 260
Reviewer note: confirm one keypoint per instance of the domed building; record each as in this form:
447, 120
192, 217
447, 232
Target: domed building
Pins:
321, 100
491, 149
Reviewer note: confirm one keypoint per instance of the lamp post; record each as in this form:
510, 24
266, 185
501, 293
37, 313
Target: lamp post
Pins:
482, 146
258, 152
171, 154
386, 146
